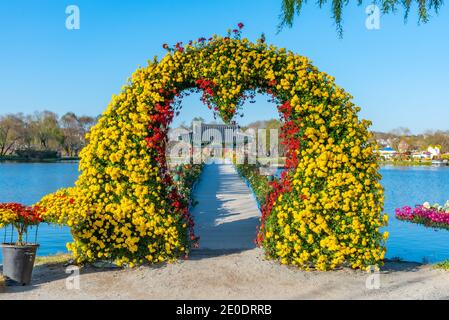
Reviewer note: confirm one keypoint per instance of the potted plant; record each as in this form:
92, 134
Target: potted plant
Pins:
18, 257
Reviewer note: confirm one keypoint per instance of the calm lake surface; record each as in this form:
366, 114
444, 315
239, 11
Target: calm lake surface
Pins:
27, 183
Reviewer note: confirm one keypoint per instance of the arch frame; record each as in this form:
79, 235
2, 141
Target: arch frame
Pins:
325, 212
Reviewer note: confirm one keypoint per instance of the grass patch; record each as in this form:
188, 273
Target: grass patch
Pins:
53, 259
443, 265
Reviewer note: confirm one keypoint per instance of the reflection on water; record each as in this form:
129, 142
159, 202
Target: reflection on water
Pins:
27, 183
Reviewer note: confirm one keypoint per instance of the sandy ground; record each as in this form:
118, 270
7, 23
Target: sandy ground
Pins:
213, 274
228, 266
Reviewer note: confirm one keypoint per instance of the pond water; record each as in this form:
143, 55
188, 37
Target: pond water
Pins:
27, 183
411, 186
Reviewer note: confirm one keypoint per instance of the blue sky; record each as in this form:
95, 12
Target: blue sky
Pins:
399, 74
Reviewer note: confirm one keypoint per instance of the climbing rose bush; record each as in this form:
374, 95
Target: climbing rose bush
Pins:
324, 212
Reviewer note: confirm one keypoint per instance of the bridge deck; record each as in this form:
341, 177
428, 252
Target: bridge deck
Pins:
226, 216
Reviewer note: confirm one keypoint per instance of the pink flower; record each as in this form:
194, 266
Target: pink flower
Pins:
431, 217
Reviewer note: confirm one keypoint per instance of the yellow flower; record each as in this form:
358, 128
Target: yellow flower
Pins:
331, 213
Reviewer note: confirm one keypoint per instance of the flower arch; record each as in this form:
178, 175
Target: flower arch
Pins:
323, 213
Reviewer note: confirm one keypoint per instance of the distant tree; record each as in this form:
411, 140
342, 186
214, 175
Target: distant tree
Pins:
397, 135
196, 119
419, 142
45, 128
87, 123
43, 131
401, 131
268, 125
72, 134
28, 140
437, 138
290, 8
12, 128
403, 147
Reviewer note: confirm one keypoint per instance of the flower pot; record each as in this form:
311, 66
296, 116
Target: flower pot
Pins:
18, 262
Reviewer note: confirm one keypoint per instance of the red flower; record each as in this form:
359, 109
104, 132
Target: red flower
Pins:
240, 25
24, 215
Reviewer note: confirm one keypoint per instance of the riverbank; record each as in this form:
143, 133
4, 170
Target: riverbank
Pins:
279, 164
215, 274
406, 163
37, 160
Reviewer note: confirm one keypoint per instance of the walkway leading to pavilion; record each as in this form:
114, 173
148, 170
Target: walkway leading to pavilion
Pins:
227, 215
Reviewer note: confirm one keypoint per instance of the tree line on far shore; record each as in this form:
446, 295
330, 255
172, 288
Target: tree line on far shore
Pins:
414, 142
393, 138
43, 134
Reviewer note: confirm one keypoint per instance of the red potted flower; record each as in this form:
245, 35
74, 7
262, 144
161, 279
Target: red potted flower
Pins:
18, 257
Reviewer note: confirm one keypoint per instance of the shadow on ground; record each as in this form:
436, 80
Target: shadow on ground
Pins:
45, 273
399, 266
